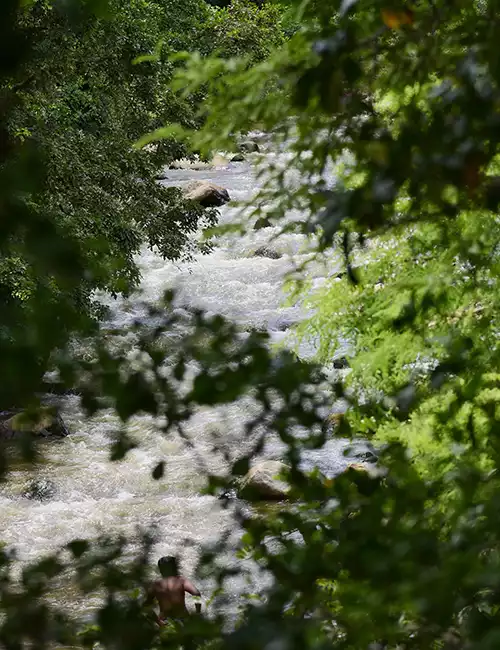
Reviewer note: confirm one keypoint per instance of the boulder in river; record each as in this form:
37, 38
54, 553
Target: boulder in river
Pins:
45, 424
206, 193
238, 157
219, 160
266, 251
40, 489
341, 363
263, 482
249, 146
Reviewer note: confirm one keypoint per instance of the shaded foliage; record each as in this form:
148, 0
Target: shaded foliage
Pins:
78, 200
244, 28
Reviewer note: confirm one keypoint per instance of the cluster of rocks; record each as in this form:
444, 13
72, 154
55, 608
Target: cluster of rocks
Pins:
264, 481
246, 146
205, 192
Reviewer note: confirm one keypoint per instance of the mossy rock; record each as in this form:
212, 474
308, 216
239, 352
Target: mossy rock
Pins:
264, 482
44, 423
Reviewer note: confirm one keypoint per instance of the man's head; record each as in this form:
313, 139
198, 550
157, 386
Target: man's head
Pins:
168, 566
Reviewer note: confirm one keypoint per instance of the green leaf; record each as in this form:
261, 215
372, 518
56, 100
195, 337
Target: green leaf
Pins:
155, 56
166, 132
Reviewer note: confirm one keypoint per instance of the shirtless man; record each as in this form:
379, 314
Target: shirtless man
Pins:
170, 591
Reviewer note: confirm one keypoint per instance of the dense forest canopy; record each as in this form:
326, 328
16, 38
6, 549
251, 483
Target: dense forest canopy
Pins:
389, 111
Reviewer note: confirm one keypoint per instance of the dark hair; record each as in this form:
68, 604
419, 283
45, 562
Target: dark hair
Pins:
168, 566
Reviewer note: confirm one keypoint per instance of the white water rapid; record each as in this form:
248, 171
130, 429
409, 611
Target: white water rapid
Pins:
97, 496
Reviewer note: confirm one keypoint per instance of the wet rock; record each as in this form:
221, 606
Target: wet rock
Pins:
265, 251
206, 193
229, 494
40, 490
46, 424
238, 157
341, 363
249, 146
263, 483
263, 222
364, 453
162, 176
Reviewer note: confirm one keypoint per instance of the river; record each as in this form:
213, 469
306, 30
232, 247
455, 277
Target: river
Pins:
97, 496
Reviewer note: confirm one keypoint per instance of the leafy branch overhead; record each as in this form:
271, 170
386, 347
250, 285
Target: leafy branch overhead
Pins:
413, 99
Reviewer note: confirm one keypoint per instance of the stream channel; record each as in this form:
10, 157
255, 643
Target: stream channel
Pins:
95, 495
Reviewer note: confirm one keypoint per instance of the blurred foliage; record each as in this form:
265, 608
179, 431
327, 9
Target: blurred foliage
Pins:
401, 102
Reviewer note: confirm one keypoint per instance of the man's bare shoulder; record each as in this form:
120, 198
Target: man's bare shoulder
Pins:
167, 583
158, 585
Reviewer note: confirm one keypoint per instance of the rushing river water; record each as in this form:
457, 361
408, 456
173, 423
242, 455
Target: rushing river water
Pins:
97, 496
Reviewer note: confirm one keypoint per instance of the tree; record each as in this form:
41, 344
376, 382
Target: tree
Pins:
81, 199
244, 28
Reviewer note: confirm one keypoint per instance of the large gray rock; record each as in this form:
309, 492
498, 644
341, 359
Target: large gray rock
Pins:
46, 424
206, 193
263, 482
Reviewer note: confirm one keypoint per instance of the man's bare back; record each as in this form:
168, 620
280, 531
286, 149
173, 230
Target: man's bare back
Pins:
170, 593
